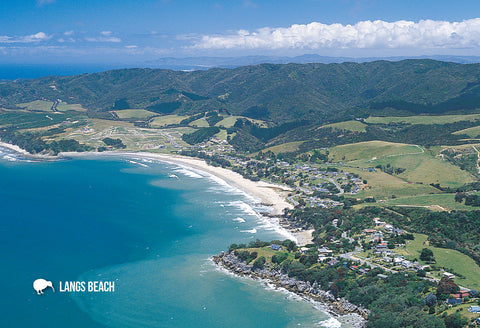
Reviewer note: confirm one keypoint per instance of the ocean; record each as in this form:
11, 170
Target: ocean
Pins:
149, 227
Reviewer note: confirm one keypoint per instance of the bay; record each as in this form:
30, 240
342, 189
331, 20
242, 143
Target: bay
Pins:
150, 227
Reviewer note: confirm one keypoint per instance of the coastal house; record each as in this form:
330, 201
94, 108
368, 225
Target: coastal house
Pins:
449, 275
407, 264
474, 309
378, 222
454, 301
303, 250
388, 228
276, 247
333, 262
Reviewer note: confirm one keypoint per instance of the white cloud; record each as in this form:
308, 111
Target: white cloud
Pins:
68, 33
38, 37
105, 36
363, 35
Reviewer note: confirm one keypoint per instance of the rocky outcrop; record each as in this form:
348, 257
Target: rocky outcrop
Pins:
336, 306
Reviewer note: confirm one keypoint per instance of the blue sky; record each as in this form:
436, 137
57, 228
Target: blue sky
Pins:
135, 31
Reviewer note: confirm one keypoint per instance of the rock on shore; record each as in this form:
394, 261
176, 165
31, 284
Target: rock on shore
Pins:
335, 306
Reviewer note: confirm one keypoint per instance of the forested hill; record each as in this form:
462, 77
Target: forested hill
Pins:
274, 93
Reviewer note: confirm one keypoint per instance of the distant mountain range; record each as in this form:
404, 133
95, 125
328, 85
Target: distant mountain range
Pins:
202, 63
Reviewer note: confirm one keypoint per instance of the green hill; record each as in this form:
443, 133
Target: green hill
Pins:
276, 93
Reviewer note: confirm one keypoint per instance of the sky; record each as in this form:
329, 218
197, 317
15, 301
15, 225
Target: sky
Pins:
125, 31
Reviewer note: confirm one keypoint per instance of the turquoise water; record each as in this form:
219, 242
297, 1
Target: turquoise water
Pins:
151, 228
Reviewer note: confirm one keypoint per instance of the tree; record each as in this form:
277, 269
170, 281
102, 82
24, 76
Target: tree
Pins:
459, 197
446, 286
259, 263
455, 321
430, 300
427, 255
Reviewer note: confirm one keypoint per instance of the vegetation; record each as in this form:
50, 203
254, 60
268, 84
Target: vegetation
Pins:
200, 135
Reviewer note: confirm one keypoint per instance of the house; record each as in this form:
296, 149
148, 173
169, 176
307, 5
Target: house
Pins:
332, 262
477, 321
464, 294
303, 250
324, 251
382, 276
474, 309
354, 267
407, 264
388, 228
449, 275
276, 247
363, 270
454, 301
378, 222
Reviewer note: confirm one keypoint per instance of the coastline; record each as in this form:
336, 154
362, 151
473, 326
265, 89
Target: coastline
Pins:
339, 308
270, 195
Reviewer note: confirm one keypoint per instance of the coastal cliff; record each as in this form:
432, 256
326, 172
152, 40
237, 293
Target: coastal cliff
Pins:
335, 306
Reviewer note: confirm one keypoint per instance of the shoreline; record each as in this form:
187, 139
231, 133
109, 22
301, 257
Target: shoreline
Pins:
339, 308
270, 195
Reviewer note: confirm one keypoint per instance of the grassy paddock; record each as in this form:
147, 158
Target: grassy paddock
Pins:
447, 258
445, 201
134, 113
355, 126
423, 119
368, 150
162, 121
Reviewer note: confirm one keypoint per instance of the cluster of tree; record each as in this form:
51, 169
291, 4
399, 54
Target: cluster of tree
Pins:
390, 169
188, 120
200, 135
214, 160
470, 199
213, 118
34, 144
115, 143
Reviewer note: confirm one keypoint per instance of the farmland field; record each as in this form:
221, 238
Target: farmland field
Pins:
422, 119
355, 126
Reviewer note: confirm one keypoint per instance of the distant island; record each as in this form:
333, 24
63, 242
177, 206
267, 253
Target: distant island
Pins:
374, 166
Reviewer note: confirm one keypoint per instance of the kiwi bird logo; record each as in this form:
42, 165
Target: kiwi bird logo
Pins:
40, 284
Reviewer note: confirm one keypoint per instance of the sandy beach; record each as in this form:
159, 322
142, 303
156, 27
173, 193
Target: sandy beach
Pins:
15, 148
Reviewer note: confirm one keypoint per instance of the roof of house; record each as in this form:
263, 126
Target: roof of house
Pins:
454, 301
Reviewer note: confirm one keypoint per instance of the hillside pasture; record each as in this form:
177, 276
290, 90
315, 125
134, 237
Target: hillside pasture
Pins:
383, 185
435, 202
447, 258
422, 119
284, 148
134, 113
163, 121
355, 126
426, 169
37, 105
369, 150
471, 132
